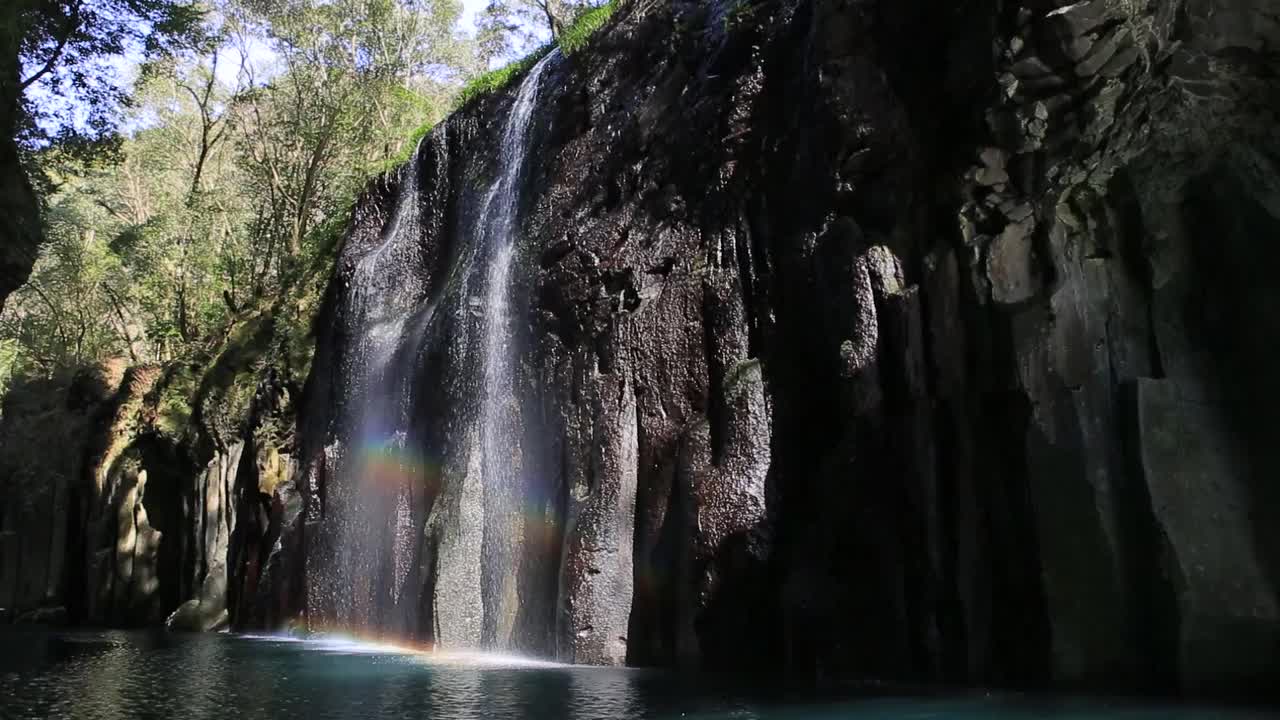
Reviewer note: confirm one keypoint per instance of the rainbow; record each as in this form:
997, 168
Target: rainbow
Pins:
386, 464
347, 643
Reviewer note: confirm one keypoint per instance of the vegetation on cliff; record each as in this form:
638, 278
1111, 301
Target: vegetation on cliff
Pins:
191, 186
57, 84
570, 40
237, 150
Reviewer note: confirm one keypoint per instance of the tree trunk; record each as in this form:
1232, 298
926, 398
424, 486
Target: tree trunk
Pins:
20, 231
124, 324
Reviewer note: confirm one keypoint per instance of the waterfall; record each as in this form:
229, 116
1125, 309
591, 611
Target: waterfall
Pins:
369, 529
421, 531
481, 522
499, 419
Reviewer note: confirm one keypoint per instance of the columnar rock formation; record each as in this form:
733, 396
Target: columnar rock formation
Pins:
912, 340
121, 491
913, 358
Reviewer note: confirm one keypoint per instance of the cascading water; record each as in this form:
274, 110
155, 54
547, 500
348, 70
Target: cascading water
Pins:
365, 575
407, 546
499, 422
481, 523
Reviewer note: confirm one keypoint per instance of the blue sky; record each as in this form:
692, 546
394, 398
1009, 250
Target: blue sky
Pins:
262, 55
469, 10
73, 113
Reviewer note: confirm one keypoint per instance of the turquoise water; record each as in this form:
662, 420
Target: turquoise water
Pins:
106, 675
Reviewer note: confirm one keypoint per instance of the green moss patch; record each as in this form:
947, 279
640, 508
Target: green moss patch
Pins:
578, 35
571, 40
500, 78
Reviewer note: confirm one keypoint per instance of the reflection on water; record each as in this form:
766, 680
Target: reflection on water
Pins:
153, 675
602, 695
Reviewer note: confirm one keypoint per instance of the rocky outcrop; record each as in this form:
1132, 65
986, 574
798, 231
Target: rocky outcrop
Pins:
20, 229
865, 357
1114, 122
123, 488
42, 429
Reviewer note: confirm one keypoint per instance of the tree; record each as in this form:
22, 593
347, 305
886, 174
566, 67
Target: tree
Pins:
54, 318
162, 221
499, 34
507, 27
241, 154
354, 78
59, 50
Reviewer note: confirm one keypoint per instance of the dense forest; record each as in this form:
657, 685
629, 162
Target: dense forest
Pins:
193, 161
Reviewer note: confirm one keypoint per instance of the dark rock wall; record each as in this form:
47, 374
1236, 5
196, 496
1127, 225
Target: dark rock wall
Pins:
125, 493
922, 341
1126, 311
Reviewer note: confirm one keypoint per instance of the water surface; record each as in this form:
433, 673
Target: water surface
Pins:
106, 675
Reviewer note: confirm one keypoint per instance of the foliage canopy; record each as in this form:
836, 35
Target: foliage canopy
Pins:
197, 161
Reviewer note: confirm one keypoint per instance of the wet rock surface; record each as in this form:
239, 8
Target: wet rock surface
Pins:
856, 356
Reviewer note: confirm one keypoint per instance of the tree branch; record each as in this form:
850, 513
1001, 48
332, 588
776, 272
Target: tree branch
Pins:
124, 324
69, 29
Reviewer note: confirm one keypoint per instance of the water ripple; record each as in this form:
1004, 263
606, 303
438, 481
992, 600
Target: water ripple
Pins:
116, 675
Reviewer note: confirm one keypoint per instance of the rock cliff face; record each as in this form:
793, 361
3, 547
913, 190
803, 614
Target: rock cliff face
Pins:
908, 340
124, 491
923, 341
